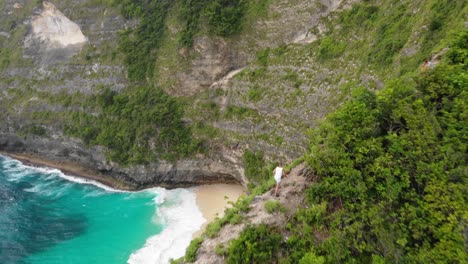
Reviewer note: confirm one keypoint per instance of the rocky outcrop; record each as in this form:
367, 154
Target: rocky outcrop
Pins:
90, 162
52, 36
64, 46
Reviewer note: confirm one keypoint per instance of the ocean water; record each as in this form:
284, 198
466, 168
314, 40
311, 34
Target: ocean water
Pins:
49, 217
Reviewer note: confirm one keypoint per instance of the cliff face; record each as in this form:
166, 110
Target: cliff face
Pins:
266, 93
66, 153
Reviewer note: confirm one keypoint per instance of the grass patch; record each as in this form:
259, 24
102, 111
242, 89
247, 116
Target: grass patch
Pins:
274, 207
191, 252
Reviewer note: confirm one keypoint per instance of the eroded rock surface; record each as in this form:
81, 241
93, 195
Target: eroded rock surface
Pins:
52, 37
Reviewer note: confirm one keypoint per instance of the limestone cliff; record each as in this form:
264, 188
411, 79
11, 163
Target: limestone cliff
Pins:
261, 89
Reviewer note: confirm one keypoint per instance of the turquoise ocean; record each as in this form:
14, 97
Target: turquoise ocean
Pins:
49, 217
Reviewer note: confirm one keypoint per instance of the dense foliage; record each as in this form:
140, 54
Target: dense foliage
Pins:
380, 32
255, 167
140, 44
223, 17
256, 244
137, 127
393, 169
392, 175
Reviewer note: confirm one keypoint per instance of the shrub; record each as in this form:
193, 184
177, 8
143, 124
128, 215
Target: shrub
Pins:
256, 244
220, 250
262, 57
330, 48
311, 258
137, 126
274, 207
388, 163
255, 167
140, 44
35, 130
236, 219
191, 252
225, 16
255, 93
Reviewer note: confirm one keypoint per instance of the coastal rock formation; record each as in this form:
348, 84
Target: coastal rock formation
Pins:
90, 162
53, 37
72, 47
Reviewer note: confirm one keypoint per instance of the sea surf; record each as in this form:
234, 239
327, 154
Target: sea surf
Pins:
49, 217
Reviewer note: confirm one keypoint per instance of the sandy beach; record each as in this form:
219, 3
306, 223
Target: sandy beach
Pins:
213, 199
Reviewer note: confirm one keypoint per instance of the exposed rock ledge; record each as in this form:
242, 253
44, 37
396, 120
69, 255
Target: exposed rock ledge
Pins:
52, 37
73, 158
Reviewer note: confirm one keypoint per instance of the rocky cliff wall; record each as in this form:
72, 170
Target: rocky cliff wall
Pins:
89, 162
282, 99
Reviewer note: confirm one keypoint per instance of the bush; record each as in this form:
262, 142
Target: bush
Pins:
137, 126
262, 57
274, 207
235, 219
389, 163
255, 93
255, 167
35, 130
191, 252
311, 258
256, 244
220, 250
225, 16
330, 48
141, 43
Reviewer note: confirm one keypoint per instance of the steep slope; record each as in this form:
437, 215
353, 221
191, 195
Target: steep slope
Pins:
291, 198
258, 82
386, 182
44, 87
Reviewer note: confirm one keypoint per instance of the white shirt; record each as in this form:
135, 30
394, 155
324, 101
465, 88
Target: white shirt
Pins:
278, 173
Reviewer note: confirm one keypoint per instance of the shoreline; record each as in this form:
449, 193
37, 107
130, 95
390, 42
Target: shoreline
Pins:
69, 168
211, 199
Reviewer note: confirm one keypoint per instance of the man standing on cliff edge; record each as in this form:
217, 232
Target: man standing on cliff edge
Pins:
278, 174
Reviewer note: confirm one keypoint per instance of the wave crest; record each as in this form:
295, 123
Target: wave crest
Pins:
178, 212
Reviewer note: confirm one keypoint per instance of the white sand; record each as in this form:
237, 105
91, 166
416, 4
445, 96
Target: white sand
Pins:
213, 199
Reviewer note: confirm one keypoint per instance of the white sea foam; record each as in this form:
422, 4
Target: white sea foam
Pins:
89, 182
178, 213
18, 170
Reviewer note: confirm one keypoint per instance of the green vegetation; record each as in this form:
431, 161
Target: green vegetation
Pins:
380, 33
231, 215
392, 169
137, 127
255, 93
34, 130
238, 112
141, 43
330, 49
220, 250
255, 168
224, 17
262, 57
256, 244
274, 207
191, 252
